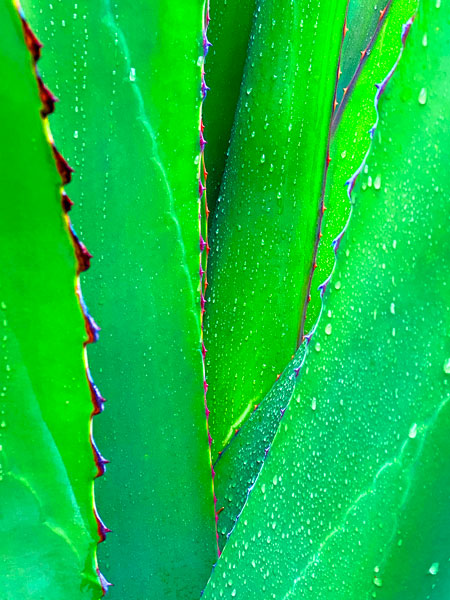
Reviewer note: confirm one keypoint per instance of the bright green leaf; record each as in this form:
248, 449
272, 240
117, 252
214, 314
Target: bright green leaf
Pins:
48, 530
264, 228
238, 467
129, 124
352, 501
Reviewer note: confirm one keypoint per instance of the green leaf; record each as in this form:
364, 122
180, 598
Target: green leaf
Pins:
239, 466
363, 21
48, 529
130, 113
350, 142
229, 33
352, 501
264, 228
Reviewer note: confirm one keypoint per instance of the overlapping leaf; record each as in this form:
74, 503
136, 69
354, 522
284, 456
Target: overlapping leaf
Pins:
229, 33
130, 114
352, 496
240, 464
354, 492
48, 530
263, 231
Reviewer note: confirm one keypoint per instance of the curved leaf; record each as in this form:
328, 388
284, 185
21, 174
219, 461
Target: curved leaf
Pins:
264, 228
353, 499
229, 33
137, 77
363, 21
48, 529
239, 466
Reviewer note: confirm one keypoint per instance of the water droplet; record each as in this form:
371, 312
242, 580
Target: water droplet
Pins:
413, 431
344, 154
423, 96
438, 3
433, 570
392, 308
377, 182
263, 158
132, 74
447, 366
314, 404
249, 91
317, 347
377, 581
425, 40
337, 285
328, 329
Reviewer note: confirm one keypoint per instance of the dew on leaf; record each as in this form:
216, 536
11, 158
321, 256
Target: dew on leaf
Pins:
423, 96
377, 581
413, 431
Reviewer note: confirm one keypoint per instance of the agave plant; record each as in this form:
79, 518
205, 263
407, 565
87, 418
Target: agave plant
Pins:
264, 189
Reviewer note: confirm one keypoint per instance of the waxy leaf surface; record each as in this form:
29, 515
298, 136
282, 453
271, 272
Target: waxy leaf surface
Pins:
352, 501
130, 112
48, 529
263, 231
238, 467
